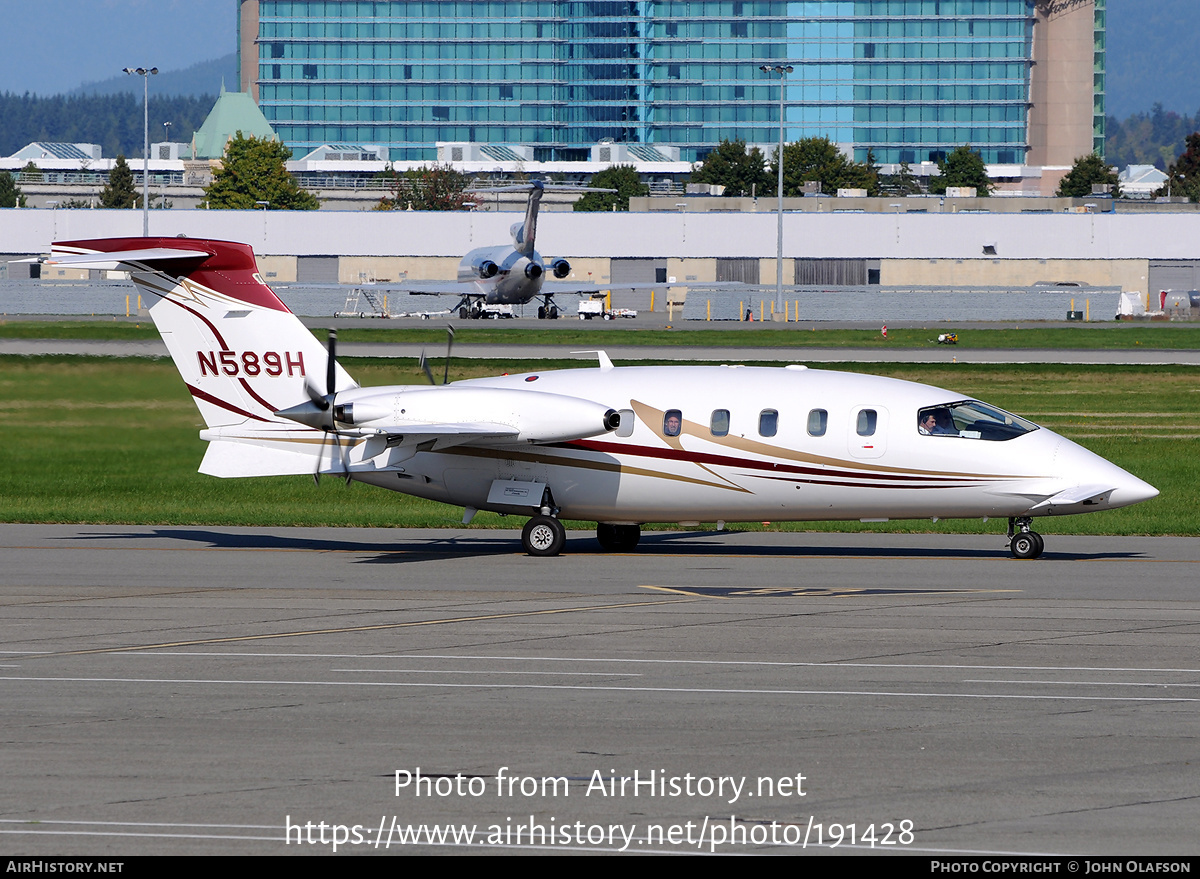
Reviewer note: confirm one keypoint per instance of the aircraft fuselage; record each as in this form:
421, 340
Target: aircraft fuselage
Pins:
745, 450
517, 277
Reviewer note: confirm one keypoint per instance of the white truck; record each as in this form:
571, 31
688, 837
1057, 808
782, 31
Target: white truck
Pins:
590, 308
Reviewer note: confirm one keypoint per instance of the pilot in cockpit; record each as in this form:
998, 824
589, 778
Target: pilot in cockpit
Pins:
936, 422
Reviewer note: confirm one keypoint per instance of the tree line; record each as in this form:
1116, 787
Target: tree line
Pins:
113, 121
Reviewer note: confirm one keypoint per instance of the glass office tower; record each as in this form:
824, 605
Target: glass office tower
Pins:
909, 80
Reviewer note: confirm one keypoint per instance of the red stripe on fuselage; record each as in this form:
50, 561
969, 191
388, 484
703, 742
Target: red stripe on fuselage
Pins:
727, 461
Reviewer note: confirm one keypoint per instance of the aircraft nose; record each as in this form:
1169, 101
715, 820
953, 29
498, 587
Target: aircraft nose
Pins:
1131, 490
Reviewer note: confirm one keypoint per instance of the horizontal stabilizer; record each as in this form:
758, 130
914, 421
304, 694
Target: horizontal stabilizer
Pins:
227, 458
111, 261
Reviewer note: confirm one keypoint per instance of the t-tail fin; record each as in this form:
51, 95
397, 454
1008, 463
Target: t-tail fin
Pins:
242, 354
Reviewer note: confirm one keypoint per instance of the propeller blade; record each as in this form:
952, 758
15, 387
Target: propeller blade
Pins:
449, 346
425, 368
319, 400
331, 366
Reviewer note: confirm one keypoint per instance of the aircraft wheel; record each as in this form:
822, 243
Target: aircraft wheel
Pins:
618, 537
541, 312
463, 314
543, 536
476, 313
553, 312
1027, 545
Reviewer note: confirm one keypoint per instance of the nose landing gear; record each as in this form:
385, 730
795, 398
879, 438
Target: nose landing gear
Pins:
1025, 544
543, 536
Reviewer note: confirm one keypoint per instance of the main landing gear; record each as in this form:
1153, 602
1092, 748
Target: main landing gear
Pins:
548, 312
618, 538
1025, 544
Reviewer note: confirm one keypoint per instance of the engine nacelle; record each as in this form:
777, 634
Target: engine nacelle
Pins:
561, 268
533, 271
537, 417
487, 269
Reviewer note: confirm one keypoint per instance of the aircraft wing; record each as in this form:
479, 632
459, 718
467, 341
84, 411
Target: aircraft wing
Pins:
446, 435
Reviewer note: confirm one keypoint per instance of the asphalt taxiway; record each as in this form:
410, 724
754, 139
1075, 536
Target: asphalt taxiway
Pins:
195, 690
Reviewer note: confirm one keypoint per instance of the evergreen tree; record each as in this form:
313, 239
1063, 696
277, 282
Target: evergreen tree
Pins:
120, 191
10, 193
437, 188
1183, 177
32, 171
252, 171
904, 182
817, 159
622, 178
741, 172
963, 167
1087, 171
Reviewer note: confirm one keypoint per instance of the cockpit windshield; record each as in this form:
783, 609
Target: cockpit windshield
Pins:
970, 419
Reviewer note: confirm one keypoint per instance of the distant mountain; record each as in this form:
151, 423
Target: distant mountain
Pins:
1150, 50
204, 78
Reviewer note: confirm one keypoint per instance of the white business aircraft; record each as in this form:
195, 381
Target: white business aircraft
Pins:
618, 445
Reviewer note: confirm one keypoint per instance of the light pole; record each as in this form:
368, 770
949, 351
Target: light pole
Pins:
167, 140
783, 70
145, 73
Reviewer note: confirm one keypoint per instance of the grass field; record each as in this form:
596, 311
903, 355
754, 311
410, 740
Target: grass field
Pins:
1114, 335
105, 440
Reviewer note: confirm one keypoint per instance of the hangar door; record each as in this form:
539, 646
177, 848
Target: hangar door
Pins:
833, 272
317, 270
1173, 275
637, 271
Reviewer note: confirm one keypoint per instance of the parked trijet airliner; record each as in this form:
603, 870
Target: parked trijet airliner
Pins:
511, 274
619, 445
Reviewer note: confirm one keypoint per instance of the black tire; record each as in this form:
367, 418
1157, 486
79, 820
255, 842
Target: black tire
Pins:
553, 312
1041, 543
618, 538
463, 313
1026, 545
541, 312
543, 536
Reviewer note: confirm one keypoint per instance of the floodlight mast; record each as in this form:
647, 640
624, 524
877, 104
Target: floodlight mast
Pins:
783, 70
145, 73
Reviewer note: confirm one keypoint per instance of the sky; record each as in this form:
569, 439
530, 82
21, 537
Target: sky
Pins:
71, 42
52, 46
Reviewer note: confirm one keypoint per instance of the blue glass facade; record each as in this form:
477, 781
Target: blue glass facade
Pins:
908, 79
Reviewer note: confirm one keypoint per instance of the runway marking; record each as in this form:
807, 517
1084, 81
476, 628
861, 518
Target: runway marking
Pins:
467, 671
731, 662
812, 591
720, 691
1085, 683
347, 629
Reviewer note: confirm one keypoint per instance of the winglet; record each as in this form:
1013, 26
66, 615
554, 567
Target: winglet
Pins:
602, 356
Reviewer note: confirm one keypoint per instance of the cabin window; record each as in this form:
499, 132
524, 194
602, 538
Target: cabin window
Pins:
970, 419
768, 422
818, 421
672, 422
720, 422
625, 428
867, 419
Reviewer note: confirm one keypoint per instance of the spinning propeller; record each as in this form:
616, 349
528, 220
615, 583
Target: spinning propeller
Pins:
321, 412
445, 372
